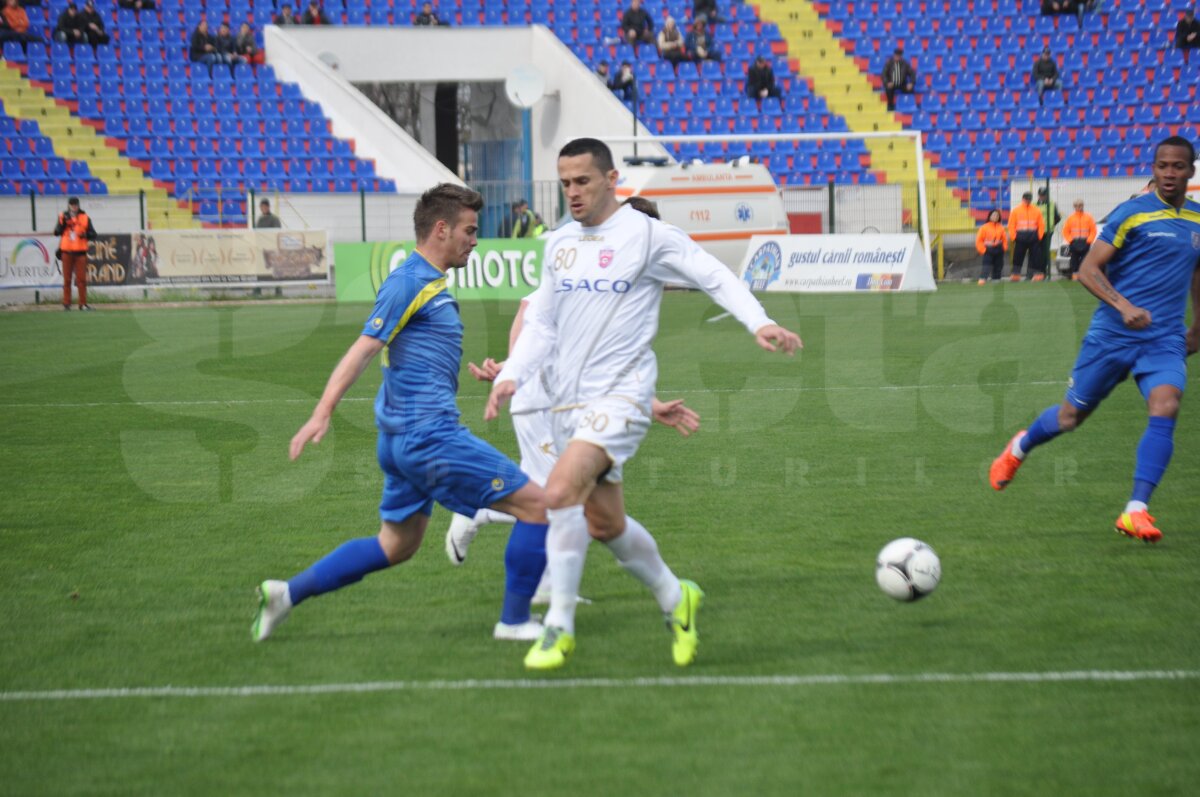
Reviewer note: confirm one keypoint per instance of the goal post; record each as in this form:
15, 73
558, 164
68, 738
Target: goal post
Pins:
917, 164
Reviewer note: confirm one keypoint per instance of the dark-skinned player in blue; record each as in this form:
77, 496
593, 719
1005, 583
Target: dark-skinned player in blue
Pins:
1142, 268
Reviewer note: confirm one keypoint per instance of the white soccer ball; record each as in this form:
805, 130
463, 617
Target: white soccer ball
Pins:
907, 569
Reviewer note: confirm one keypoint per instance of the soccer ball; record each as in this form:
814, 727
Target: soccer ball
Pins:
907, 569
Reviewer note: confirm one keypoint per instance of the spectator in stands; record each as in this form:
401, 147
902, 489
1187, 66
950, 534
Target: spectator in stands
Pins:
137, 5
18, 22
624, 83
226, 46
760, 80
707, 10
69, 28
602, 72
202, 48
1187, 34
699, 44
1054, 7
313, 15
636, 24
1026, 229
428, 16
670, 43
1045, 74
1084, 6
1080, 233
992, 242
286, 16
265, 217
93, 25
246, 47
898, 77
526, 223
7, 34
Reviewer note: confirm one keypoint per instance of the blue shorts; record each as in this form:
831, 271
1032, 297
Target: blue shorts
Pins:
1103, 363
446, 464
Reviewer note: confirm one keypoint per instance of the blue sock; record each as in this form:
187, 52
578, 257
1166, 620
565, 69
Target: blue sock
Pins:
524, 561
1153, 453
346, 564
1042, 430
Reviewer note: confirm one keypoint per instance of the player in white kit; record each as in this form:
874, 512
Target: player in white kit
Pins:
593, 318
531, 418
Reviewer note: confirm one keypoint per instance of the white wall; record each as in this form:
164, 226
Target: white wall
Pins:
577, 103
109, 214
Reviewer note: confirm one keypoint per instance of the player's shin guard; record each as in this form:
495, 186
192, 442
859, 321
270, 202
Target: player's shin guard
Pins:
344, 565
637, 552
1044, 429
566, 549
524, 561
1153, 454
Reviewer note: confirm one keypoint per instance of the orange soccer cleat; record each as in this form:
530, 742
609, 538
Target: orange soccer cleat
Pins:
1139, 525
1004, 467
1015, 278
1039, 277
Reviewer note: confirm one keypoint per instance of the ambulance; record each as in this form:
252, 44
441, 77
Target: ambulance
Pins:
720, 205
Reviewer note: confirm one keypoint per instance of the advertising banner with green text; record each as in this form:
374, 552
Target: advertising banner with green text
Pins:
499, 268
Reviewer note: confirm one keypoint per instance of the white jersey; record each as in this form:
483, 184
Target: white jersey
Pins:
595, 312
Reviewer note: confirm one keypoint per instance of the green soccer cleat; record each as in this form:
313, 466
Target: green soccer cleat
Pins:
552, 649
682, 623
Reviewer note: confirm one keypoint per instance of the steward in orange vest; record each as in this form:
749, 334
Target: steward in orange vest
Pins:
1079, 231
1026, 227
76, 230
991, 242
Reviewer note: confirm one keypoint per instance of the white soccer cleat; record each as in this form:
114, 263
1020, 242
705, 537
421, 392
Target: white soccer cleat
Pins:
458, 538
274, 605
527, 631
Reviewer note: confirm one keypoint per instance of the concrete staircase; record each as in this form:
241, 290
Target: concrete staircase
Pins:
835, 76
74, 140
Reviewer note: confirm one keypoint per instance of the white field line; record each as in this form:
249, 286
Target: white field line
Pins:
665, 392
472, 685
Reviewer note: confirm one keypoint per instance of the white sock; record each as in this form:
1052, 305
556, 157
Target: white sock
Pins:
486, 515
566, 549
637, 552
1017, 451
1136, 506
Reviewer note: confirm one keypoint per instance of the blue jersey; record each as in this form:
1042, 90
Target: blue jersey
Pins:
418, 319
1158, 249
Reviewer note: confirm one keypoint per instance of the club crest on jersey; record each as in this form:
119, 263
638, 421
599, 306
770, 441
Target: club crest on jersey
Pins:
1196, 240
606, 257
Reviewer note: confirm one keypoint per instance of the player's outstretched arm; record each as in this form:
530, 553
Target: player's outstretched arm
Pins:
1092, 277
773, 337
345, 374
675, 414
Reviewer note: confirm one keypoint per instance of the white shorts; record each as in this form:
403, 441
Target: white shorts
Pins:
536, 440
617, 425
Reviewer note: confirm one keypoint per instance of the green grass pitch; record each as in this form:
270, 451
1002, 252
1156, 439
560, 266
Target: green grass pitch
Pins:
146, 490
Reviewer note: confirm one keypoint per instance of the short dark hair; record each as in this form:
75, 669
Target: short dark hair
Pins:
599, 151
1026, 195
443, 202
73, 200
643, 205
1176, 141
266, 202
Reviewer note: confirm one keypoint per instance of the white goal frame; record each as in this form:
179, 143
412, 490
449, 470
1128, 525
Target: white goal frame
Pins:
750, 138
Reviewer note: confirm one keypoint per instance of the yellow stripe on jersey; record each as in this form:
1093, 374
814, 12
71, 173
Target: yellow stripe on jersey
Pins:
419, 301
1138, 219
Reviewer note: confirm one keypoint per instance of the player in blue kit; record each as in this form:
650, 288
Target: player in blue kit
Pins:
425, 453
1141, 268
